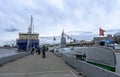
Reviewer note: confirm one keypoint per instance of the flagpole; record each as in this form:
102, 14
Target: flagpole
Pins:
99, 32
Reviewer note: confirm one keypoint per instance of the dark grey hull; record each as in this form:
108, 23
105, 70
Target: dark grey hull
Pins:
89, 70
93, 54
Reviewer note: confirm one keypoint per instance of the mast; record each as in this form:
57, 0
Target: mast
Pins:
29, 34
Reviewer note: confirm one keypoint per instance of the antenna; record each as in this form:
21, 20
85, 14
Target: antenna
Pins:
31, 24
29, 33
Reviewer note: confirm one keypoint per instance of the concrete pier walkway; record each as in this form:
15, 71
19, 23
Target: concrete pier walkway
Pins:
36, 66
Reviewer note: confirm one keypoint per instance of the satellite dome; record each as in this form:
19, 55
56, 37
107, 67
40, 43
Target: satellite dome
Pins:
109, 35
117, 34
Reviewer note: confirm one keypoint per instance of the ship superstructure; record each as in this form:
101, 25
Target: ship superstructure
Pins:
28, 40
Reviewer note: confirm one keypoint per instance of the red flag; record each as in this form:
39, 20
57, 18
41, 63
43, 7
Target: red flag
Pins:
54, 38
101, 32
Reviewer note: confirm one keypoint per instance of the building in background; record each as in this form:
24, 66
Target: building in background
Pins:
104, 40
63, 40
117, 38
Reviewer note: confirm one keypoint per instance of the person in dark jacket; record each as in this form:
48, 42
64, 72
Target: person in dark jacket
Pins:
43, 51
38, 50
32, 51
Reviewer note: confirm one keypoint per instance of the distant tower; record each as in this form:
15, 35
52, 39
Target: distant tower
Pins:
63, 40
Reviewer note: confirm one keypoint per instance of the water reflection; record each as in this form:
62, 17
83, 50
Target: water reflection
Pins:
7, 52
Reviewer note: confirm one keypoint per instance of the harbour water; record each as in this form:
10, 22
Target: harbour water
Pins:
7, 52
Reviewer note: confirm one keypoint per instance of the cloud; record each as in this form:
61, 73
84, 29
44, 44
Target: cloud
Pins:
79, 32
12, 29
49, 40
113, 30
81, 35
51, 16
56, 3
73, 34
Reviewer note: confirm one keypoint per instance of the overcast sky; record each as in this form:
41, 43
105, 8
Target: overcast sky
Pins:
50, 17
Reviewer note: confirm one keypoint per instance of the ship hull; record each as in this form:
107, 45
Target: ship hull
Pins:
98, 62
22, 43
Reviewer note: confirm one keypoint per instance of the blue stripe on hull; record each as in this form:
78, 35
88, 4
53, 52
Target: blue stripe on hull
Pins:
22, 43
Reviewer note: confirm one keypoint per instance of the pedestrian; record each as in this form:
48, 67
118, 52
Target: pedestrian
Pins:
36, 50
43, 52
32, 51
39, 50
